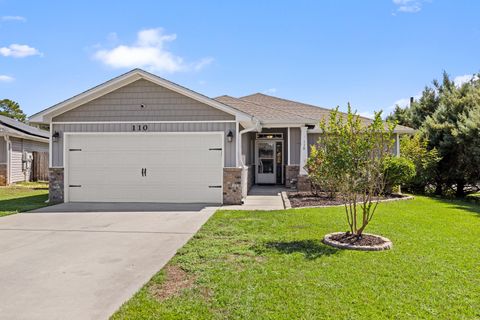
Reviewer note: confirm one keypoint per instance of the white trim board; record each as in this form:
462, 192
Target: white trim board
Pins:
120, 122
50, 147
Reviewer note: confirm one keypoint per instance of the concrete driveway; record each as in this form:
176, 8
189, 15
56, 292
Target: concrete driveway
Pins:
82, 261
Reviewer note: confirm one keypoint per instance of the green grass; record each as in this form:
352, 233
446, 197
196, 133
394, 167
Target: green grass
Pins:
22, 197
272, 265
474, 197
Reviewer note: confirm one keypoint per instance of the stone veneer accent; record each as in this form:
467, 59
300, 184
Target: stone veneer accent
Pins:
303, 184
232, 185
55, 186
3, 174
291, 172
250, 172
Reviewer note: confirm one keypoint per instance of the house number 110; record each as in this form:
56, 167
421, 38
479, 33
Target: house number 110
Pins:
139, 127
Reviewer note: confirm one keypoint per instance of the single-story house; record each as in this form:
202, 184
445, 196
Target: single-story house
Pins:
18, 143
141, 138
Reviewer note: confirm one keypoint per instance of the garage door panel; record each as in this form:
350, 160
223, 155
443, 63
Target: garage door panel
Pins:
179, 168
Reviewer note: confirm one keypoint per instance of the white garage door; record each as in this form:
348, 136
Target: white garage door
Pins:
164, 167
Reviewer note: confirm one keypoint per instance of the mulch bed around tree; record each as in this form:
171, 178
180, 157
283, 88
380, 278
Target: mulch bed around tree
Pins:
308, 199
367, 242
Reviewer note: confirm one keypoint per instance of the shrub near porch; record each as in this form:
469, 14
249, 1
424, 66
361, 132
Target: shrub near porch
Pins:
272, 265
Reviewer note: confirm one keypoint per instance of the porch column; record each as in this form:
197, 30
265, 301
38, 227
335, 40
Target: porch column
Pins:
288, 145
303, 150
397, 145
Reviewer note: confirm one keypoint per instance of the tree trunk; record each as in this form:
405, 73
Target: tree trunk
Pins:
460, 190
438, 189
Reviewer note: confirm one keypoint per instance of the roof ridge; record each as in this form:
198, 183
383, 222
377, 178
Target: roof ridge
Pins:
288, 100
265, 106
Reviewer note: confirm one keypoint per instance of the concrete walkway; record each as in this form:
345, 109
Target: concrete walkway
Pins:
261, 198
74, 261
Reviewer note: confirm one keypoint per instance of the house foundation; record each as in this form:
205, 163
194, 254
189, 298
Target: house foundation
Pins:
232, 185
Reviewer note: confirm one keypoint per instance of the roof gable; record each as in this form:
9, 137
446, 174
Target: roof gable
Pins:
46, 115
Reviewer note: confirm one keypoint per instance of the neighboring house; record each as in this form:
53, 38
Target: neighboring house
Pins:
141, 138
18, 143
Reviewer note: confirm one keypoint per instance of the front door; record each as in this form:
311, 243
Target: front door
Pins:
269, 161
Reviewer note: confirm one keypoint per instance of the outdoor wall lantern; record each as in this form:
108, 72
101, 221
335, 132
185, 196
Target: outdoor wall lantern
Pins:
55, 136
230, 136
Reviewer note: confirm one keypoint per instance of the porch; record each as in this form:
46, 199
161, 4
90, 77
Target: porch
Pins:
261, 197
273, 157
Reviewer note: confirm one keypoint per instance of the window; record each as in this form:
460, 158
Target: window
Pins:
269, 135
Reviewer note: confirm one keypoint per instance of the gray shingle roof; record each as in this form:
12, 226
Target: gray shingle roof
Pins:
23, 128
260, 111
269, 108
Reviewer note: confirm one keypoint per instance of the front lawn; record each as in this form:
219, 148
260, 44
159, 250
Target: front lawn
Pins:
22, 197
272, 265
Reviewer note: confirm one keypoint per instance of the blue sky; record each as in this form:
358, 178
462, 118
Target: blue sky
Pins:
371, 53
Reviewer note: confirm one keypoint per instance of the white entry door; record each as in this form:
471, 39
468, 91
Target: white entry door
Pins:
144, 167
265, 162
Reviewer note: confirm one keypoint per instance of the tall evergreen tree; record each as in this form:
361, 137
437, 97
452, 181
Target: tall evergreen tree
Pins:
454, 130
11, 109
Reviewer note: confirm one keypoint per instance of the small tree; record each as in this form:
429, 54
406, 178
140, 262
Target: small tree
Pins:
11, 109
350, 156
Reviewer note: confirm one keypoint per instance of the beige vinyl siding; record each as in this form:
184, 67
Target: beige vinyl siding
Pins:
3, 150
16, 173
19, 146
161, 104
30, 146
57, 147
295, 144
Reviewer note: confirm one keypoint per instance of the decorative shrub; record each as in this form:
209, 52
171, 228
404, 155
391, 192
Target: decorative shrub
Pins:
425, 161
397, 171
321, 177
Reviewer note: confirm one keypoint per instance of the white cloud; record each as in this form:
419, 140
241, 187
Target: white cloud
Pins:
13, 18
5, 78
149, 51
459, 80
408, 6
202, 63
270, 91
367, 114
404, 102
19, 51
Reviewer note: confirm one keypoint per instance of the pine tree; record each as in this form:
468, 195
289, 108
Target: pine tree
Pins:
11, 109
